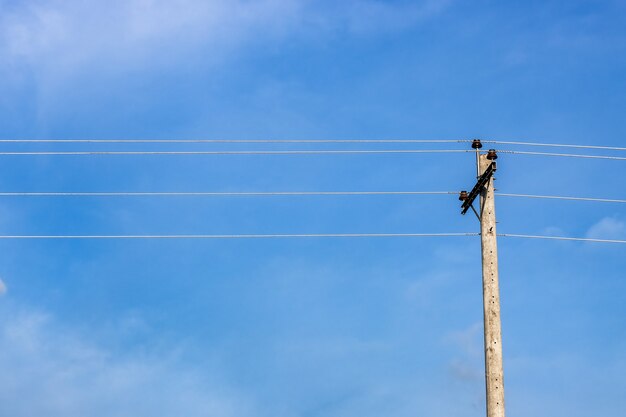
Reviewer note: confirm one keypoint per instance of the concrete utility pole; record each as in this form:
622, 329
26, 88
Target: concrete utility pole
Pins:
494, 374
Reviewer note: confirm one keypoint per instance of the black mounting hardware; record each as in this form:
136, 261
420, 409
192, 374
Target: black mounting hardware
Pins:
480, 184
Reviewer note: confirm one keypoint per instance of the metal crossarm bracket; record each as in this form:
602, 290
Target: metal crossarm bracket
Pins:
480, 184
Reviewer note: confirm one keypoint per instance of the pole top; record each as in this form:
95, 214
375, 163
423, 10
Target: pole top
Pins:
476, 144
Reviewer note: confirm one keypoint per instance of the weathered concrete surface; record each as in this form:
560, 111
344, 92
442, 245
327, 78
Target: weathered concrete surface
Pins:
494, 374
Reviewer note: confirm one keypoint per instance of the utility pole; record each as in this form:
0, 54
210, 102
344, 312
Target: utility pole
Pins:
494, 374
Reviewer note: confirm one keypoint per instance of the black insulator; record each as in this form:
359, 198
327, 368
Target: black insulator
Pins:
491, 155
476, 144
463, 195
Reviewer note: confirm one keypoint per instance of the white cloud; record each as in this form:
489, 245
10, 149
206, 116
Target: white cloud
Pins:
65, 34
468, 340
49, 370
55, 50
466, 367
608, 228
3, 287
61, 35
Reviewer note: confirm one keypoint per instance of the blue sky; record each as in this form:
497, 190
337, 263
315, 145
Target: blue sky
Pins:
312, 327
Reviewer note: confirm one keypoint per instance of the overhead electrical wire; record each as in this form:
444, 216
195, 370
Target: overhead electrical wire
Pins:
577, 239
282, 193
297, 151
558, 197
305, 235
568, 155
556, 145
262, 152
248, 141
319, 141
219, 193
302, 152
239, 236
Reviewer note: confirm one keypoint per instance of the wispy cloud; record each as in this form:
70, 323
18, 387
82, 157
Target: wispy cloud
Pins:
52, 371
54, 34
608, 228
468, 343
63, 35
468, 340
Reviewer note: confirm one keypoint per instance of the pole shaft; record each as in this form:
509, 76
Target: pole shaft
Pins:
491, 300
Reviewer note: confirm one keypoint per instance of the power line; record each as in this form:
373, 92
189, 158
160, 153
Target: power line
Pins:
556, 145
570, 155
305, 235
578, 239
239, 236
556, 197
301, 152
278, 141
281, 193
312, 141
226, 193
290, 152
319, 141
